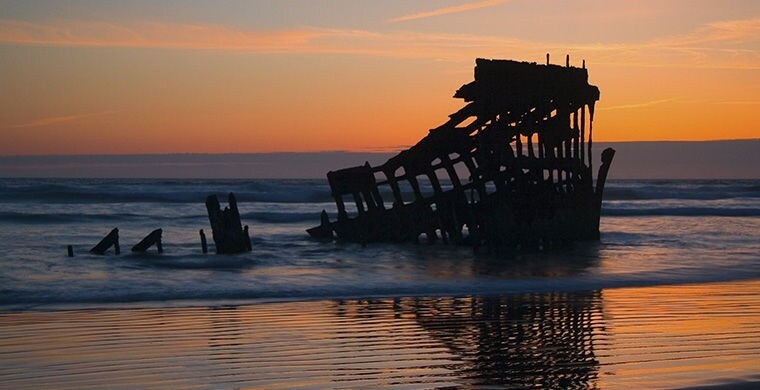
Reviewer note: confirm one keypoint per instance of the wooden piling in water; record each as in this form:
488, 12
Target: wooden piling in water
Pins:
153, 238
204, 245
227, 231
111, 239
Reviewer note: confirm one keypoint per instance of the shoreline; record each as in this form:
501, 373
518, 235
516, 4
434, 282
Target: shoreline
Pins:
669, 336
525, 287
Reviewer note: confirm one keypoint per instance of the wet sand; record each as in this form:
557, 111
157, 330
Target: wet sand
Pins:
648, 337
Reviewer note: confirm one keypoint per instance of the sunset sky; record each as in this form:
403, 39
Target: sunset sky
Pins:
102, 77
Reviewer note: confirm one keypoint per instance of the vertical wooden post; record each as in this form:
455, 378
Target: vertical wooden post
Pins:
541, 146
576, 130
531, 152
393, 182
366, 191
248, 241
583, 134
70, 250
377, 198
358, 202
341, 207
228, 233
518, 145
434, 181
590, 132
453, 176
204, 244
601, 178
369, 199
415, 186
565, 116
324, 231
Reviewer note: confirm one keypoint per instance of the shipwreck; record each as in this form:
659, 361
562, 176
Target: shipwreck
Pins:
512, 168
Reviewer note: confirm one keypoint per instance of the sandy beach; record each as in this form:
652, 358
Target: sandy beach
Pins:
649, 337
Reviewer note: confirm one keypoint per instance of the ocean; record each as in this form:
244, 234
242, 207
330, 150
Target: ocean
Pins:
653, 233
659, 239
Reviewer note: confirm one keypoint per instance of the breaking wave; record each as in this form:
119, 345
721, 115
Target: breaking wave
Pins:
682, 212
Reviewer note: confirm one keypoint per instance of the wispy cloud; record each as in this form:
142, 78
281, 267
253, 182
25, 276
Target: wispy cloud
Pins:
725, 44
152, 35
740, 102
75, 33
448, 10
52, 120
719, 31
681, 100
639, 105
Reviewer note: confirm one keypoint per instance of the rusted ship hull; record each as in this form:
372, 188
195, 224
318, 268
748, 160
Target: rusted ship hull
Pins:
512, 168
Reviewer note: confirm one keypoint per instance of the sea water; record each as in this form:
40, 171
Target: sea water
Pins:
652, 233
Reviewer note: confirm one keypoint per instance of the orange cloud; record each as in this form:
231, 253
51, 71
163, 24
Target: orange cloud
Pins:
721, 31
152, 35
58, 119
448, 10
725, 44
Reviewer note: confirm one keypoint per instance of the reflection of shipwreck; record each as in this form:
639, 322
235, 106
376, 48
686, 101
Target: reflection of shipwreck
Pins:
513, 166
522, 341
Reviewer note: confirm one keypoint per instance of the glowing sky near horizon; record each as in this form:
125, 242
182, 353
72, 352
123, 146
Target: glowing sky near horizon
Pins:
260, 76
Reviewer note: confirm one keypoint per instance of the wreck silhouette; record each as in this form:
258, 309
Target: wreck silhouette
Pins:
514, 166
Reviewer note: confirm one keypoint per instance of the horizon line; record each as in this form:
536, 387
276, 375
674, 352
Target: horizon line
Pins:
336, 151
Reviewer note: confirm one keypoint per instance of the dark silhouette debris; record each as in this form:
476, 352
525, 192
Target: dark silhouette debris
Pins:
513, 167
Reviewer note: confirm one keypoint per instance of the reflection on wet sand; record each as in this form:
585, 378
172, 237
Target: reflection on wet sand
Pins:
654, 337
530, 340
